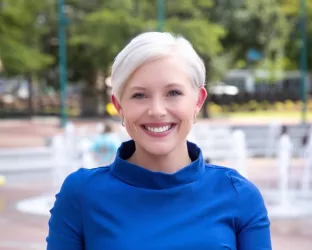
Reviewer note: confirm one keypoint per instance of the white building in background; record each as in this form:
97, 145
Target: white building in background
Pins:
246, 80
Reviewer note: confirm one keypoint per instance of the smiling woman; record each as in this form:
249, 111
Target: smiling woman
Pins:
158, 104
158, 193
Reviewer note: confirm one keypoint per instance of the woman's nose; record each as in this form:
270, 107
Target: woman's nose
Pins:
157, 108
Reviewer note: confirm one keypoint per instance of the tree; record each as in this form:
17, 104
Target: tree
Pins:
21, 30
292, 11
101, 34
259, 25
95, 39
191, 19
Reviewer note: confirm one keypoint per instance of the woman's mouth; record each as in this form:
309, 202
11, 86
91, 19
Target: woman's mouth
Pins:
161, 129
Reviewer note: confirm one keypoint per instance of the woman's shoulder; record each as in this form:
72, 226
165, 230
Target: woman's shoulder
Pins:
250, 203
77, 179
243, 187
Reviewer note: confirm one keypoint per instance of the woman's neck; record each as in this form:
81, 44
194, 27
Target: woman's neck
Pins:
171, 163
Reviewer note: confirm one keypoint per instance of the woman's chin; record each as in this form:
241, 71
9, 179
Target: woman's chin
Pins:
159, 149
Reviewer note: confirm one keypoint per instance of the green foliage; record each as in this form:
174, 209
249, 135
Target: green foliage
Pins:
105, 31
221, 31
292, 10
265, 25
20, 36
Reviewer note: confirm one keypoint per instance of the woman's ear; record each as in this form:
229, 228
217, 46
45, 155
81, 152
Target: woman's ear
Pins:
116, 105
202, 95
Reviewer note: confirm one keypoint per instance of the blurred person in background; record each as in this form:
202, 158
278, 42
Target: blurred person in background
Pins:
104, 146
158, 193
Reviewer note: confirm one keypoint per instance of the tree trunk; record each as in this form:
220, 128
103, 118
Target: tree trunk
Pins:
205, 109
101, 93
89, 97
30, 95
88, 102
94, 96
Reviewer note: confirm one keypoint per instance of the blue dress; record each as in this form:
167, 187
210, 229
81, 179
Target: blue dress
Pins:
125, 207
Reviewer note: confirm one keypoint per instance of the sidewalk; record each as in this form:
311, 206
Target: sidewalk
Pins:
34, 133
26, 133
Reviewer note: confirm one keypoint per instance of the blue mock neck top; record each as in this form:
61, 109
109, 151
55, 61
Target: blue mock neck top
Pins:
143, 178
127, 207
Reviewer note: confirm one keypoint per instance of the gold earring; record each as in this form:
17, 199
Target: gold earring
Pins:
194, 119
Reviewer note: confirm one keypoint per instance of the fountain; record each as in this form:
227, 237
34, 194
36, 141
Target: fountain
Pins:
284, 155
71, 151
239, 152
273, 132
283, 200
287, 201
307, 156
67, 149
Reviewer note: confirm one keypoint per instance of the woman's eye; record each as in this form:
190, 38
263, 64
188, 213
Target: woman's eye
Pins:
138, 96
174, 93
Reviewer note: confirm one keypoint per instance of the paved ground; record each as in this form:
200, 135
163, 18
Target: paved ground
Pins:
20, 231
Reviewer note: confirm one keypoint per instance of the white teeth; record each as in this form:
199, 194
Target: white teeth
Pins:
159, 129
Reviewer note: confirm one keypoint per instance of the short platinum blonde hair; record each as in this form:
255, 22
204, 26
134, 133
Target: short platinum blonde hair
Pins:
150, 46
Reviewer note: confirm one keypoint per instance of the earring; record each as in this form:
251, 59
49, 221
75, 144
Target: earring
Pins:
122, 122
194, 119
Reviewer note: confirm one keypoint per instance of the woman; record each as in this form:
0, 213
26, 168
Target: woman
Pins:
158, 193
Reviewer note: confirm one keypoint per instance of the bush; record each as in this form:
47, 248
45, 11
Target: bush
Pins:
297, 105
289, 105
253, 105
214, 108
265, 105
236, 107
279, 106
309, 104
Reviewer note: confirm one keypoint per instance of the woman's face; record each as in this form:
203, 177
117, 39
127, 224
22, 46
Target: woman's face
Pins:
158, 105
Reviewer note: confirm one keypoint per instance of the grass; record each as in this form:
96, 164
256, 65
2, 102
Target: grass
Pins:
271, 114
266, 115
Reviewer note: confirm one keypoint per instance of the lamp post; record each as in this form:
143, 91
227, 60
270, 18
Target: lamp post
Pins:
62, 61
303, 59
160, 15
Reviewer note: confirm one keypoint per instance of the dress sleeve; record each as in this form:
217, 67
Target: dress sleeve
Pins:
253, 225
65, 224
